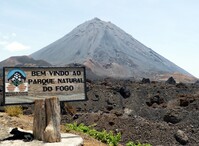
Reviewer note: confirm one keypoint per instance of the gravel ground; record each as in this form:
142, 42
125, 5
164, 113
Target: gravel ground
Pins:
146, 112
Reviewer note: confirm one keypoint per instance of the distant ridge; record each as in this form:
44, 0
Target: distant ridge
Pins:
23, 61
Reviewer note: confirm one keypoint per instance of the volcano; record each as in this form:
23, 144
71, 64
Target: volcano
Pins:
107, 51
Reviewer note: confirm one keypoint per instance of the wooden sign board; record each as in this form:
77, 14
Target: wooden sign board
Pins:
25, 84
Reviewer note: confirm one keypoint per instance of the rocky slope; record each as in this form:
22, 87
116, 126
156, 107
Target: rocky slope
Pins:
146, 112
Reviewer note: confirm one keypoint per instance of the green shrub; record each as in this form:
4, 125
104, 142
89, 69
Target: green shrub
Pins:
104, 136
130, 143
14, 110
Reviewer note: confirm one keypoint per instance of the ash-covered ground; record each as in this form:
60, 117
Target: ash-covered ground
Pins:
158, 113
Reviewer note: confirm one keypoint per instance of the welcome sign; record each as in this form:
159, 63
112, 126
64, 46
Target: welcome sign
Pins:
25, 84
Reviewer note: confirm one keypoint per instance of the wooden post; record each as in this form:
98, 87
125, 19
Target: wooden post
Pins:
39, 122
46, 125
52, 131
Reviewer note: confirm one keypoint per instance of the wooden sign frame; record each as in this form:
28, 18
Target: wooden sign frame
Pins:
24, 85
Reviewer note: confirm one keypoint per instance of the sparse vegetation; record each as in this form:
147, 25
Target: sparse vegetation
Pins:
104, 136
130, 143
14, 110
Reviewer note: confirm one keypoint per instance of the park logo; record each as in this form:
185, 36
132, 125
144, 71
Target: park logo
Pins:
16, 81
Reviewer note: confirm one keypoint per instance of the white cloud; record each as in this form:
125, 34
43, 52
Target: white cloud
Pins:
13, 34
16, 46
3, 43
8, 37
5, 37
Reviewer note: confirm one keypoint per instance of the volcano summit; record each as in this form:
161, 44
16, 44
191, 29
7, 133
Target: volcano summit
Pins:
107, 51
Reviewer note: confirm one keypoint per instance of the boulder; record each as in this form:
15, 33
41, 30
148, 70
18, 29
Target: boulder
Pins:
146, 80
171, 81
125, 92
95, 98
184, 102
181, 137
181, 85
172, 117
155, 99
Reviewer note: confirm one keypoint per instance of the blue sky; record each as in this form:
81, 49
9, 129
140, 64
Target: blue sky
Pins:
169, 27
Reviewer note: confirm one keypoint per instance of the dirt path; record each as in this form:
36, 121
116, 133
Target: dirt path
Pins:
26, 122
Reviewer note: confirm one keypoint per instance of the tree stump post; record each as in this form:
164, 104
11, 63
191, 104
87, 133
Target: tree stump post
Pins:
39, 122
47, 120
52, 131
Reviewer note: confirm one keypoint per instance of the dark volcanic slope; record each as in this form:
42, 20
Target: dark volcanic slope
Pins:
149, 113
107, 51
